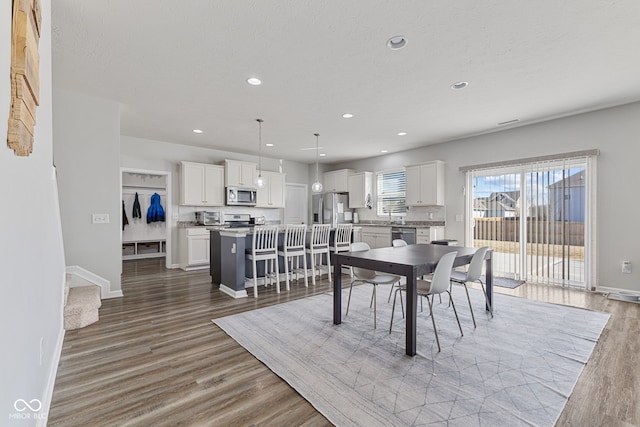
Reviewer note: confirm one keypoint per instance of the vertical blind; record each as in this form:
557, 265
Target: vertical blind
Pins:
392, 190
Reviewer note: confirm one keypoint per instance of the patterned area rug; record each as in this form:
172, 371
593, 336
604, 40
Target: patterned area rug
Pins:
517, 369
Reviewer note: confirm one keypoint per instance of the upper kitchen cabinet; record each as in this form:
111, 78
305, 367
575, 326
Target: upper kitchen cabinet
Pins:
337, 181
272, 194
201, 184
240, 174
360, 186
425, 184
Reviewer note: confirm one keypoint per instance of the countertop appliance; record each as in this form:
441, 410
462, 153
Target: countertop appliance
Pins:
331, 208
237, 220
209, 217
237, 196
408, 234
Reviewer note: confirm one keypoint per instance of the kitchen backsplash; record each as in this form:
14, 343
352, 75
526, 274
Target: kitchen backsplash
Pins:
415, 213
188, 213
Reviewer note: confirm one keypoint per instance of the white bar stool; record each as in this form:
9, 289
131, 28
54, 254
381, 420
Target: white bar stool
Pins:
295, 237
319, 245
264, 248
342, 239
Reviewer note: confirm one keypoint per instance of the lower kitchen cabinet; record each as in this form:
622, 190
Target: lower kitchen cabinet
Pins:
194, 248
376, 237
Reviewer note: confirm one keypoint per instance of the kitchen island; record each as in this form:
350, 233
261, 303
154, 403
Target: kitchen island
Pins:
228, 266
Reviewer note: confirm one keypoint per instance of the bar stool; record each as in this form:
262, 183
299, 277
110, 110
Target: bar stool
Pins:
264, 248
295, 237
342, 239
319, 245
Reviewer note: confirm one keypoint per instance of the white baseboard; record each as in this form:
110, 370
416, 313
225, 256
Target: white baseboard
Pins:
94, 279
234, 294
51, 381
608, 290
174, 266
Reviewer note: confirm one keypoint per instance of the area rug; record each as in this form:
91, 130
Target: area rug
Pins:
517, 368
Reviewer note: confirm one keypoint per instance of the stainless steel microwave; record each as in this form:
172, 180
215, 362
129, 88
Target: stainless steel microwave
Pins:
241, 196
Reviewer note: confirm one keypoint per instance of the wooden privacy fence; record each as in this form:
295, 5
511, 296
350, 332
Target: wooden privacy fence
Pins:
538, 231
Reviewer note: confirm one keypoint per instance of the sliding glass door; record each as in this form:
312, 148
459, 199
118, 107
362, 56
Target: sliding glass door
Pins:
536, 217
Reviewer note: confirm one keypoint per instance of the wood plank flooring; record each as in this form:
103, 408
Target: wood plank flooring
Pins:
155, 358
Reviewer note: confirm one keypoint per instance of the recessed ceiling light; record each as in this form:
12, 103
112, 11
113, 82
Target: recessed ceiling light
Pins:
254, 81
402, 133
347, 115
322, 154
269, 145
459, 85
384, 151
197, 131
396, 42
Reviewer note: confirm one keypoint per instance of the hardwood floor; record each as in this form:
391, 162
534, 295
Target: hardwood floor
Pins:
155, 358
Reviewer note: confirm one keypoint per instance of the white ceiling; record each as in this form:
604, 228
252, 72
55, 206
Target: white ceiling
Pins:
180, 65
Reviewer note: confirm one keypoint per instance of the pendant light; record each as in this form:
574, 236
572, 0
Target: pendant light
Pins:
316, 187
259, 179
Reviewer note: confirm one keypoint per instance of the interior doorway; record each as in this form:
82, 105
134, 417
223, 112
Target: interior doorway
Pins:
142, 239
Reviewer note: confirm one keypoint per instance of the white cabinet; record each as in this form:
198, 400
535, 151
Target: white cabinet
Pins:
240, 174
337, 181
425, 184
376, 237
426, 235
272, 194
360, 185
194, 248
201, 184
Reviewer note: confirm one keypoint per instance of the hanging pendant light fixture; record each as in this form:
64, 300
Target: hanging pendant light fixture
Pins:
316, 187
259, 179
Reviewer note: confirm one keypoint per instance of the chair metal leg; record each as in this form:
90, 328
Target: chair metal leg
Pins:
433, 320
390, 291
454, 312
393, 308
485, 298
375, 303
349, 300
470, 307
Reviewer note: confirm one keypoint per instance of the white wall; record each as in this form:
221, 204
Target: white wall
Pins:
614, 131
137, 153
31, 254
87, 155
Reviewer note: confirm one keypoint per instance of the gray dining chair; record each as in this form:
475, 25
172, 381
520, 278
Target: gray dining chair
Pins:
364, 275
439, 283
472, 274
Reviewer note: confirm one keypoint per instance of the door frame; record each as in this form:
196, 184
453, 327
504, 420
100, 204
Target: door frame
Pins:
168, 209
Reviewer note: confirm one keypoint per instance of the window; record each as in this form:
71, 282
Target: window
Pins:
391, 186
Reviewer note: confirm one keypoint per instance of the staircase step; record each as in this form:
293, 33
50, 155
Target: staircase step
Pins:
82, 307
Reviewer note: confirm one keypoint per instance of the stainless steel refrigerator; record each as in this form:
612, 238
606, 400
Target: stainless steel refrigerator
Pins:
331, 208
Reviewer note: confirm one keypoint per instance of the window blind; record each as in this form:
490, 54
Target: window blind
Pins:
391, 189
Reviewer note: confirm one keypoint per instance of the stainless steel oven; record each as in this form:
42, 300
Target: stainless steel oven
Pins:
241, 196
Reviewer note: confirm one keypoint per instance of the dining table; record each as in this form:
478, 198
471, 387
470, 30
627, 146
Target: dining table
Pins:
412, 262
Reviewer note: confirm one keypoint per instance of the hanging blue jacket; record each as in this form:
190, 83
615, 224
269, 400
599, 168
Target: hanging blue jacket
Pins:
155, 211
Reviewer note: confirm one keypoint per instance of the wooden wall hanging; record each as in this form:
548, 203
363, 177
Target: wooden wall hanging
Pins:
25, 75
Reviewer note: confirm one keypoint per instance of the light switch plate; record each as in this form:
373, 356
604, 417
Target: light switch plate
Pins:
100, 219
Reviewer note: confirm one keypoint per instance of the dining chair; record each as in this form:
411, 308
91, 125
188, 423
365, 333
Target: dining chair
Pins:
438, 284
318, 246
364, 275
264, 248
293, 247
472, 274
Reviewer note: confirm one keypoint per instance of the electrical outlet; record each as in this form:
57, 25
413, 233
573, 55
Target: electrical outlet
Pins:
100, 219
626, 267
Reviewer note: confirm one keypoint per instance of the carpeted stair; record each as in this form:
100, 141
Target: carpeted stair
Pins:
80, 305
